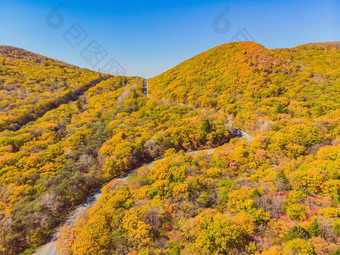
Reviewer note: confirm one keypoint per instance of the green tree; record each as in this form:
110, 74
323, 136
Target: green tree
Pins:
298, 247
314, 229
296, 232
281, 182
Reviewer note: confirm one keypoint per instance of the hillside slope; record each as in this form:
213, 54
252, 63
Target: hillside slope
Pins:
50, 164
253, 83
278, 193
31, 84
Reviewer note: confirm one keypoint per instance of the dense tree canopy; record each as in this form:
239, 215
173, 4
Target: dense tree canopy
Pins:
276, 192
31, 85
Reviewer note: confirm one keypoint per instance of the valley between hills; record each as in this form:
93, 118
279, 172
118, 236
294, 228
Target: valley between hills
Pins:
234, 151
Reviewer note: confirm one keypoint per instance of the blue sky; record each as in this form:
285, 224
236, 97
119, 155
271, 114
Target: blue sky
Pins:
148, 37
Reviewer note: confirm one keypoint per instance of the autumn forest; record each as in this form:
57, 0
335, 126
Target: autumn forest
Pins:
234, 151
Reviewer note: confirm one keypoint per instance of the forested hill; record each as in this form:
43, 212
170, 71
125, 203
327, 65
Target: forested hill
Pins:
65, 131
251, 82
278, 193
31, 84
275, 193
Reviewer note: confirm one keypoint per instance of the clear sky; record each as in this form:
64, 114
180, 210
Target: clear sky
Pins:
148, 37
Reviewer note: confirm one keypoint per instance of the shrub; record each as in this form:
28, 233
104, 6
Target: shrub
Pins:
336, 252
281, 182
296, 212
330, 212
274, 250
247, 222
295, 196
314, 229
296, 232
336, 227
174, 248
298, 247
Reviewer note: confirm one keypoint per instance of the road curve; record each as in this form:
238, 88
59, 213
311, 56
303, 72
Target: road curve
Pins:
146, 88
50, 248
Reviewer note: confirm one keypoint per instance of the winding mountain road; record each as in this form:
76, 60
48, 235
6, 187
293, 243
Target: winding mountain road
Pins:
146, 88
50, 248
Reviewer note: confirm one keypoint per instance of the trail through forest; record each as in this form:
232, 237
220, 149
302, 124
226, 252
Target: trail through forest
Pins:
50, 248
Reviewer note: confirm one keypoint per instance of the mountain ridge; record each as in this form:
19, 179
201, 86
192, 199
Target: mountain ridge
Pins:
286, 98
34, 54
